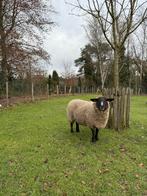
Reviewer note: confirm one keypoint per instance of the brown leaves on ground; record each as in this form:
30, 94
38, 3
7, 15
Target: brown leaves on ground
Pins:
141, 165
103, 170
122, 148
64, 194
47, 186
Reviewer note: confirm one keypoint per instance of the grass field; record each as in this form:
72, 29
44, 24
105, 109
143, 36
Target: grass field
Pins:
39, 155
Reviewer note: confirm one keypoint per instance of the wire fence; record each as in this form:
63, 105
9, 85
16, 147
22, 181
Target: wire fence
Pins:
26, 91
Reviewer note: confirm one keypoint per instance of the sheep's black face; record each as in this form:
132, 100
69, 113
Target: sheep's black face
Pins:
102, 103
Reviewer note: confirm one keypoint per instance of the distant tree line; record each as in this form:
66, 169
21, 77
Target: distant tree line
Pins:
114, 55
89, 69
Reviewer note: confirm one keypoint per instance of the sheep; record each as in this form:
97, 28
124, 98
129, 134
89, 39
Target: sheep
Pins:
94, 114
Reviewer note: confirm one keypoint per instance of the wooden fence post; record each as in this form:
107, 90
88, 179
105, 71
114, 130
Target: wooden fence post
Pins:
128, 108
57, 89
70, 89
7, 93
122, 120
65, 89
47, 90
32, 91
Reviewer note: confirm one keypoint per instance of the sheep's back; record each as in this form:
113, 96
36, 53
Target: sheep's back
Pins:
73, 108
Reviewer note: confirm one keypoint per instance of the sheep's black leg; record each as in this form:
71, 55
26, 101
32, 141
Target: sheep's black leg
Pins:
96, 134
77, 127
71, 126
93, 135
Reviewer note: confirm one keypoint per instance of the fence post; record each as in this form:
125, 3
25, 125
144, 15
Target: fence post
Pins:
32, 91
128, 108
7, 93
122, 122
57, 89
47, 90
65, 89
70, 89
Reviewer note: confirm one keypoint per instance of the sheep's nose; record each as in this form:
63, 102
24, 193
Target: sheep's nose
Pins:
102, 108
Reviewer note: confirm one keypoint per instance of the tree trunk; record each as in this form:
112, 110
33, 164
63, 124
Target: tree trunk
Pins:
116, 69
116, 87
4, 59
102, 85
3, 46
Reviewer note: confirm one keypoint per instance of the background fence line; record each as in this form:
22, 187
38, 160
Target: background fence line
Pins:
119, 111
32, 91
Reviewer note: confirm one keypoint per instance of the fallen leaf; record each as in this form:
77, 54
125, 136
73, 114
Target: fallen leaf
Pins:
100, 171
122, 148
105, 170
83, 182
138, 186
141, 165
136, 175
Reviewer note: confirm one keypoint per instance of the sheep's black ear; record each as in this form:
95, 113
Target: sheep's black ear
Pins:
94, 100
110, 99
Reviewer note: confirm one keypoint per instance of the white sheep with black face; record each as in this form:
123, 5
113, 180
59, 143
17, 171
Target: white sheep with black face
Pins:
94, 114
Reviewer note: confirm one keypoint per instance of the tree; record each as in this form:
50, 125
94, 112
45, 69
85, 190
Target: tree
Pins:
140, 51
49, 83
86, 65
69, 75
103, 52
55, 79
117, 19
80, 84
95, 63
20, 40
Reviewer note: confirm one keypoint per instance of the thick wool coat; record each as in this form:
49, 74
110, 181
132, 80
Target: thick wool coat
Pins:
86, 113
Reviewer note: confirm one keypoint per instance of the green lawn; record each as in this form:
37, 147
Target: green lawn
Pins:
39, 155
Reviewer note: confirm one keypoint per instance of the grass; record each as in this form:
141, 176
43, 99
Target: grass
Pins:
39, 155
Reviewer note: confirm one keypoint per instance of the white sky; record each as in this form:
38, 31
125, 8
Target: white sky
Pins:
66, 39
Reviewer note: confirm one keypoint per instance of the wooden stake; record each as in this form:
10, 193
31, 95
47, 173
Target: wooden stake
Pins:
7, 93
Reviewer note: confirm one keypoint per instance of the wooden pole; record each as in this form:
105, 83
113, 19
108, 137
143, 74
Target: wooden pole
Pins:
128, 108
7, 93
122, 108
65, 89
47, 90
57, 89
32, 91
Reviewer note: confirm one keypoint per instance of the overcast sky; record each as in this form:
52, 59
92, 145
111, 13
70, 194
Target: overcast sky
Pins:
66, 39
